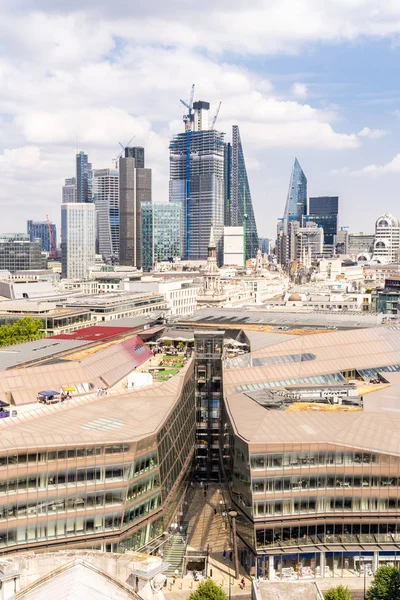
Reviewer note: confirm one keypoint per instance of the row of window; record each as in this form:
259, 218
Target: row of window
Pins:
291, 460
44, 457
337, 533
292, 506
339, 481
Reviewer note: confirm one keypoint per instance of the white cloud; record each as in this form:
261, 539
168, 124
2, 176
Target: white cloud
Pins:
299, 90
375, 170
372, 134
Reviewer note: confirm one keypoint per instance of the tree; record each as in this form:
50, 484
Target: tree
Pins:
208, 590
338, 593
23, 330
386, 584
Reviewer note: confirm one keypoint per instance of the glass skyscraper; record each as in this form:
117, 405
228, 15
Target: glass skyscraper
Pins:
296, 203
106, 199
161, 232
83, 178
237, 193
324, 211
40, 229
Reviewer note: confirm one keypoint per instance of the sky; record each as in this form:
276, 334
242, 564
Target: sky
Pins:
308, 78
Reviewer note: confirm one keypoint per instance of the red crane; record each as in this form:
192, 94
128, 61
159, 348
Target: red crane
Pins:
53, 250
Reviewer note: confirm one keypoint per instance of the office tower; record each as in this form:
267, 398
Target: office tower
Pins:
134, 189
45, 231
106, 200
161, 232
387, 239
83, 178
305, 242
342, 241
197, 182
18, 253
78, 239
238, 205
296, 203
324, 211
69, 190
265, 245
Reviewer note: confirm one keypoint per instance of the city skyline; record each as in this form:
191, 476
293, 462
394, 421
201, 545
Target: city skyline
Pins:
326, 95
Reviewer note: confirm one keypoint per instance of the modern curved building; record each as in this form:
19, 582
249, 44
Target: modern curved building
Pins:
387, 239
304, 430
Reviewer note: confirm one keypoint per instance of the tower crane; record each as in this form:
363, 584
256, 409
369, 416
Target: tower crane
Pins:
53, 251
187, 119
115, 160
216, 116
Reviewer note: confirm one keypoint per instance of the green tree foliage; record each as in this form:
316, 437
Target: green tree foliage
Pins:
386, 584
338, 593
208, 590
23, 330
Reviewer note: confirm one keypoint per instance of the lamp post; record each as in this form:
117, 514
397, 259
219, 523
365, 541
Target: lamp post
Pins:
233, 514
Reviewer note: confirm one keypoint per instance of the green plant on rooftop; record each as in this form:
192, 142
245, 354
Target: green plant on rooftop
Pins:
208, 590
386, 584
340, 592
23, 330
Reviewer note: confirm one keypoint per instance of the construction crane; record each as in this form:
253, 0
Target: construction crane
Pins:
53, 250
216, 116
115, 160
187, 119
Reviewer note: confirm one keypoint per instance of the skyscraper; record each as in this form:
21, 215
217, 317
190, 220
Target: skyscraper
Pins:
324, 211
161, 232
134, 188
78, 239
238, 205
106, 199
69, 190
296, 203
197, 183
387, 239
40, 230
83, 178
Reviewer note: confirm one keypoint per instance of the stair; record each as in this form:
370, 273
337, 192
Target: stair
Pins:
174, 555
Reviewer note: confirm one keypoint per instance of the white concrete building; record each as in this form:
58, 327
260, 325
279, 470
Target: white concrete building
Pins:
180, 294
233, 246
387, 239
78, 233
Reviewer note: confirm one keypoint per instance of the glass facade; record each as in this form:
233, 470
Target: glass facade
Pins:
106, 199
123, 493
296, 203
161, 232
237, 193
324, 211
40, 230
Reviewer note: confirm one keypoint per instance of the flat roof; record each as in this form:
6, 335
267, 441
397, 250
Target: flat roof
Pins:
20, 354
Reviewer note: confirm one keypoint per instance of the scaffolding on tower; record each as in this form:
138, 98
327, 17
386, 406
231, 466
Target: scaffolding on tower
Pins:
188, 120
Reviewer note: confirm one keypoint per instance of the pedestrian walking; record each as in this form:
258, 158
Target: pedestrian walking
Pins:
215, 512
230, 556
243, 583
224, 554
205, 493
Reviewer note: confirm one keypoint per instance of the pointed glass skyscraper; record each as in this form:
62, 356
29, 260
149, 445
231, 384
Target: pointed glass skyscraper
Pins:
237, 193
296, 203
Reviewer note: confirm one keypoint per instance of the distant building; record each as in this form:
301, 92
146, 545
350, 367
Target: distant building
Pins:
78, 239
134, 189
233, 246
40, 230
265, 245
197, 183
19, 254
296, 203
69, 190
324, 211
238, 203
83, 178
161, 232
342, 241
305, 242
387, 239
106, 200
211, 293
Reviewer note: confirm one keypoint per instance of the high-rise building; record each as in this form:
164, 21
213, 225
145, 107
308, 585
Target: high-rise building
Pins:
324, 211
387, 239
18, 253
40, 230
83, 178
134, 189
265, 245
296, 203
238, 205
78, 239
69, 190
106, 200
197, 183
161, 232
305, 241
